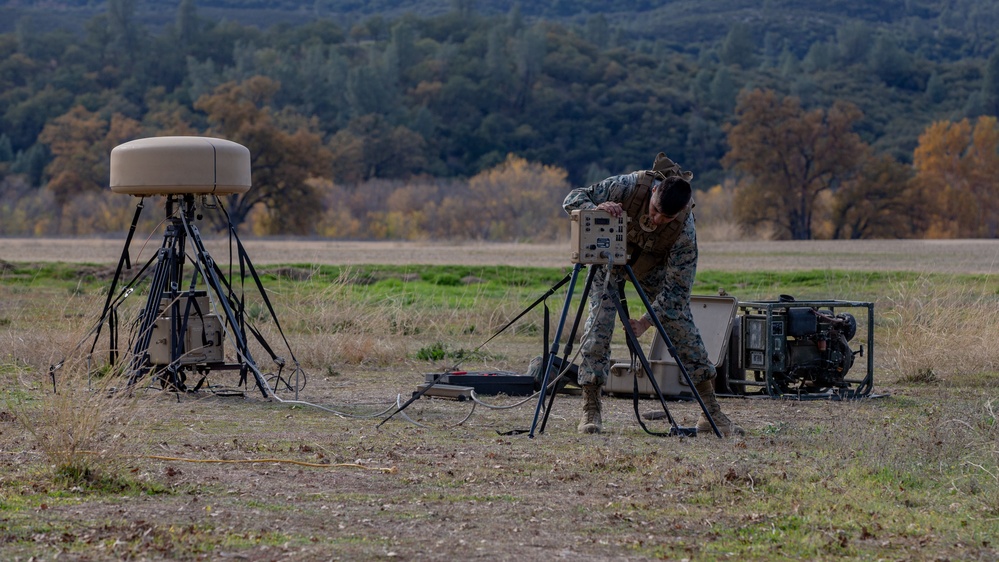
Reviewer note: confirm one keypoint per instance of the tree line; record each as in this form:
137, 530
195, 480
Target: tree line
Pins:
468, 126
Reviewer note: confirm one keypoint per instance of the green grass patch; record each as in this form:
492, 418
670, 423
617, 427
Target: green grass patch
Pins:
469, 286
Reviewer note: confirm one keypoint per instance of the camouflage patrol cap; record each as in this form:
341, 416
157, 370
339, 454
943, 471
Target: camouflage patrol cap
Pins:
663, 165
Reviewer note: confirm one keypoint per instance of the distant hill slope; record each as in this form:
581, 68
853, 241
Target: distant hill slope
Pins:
690, 22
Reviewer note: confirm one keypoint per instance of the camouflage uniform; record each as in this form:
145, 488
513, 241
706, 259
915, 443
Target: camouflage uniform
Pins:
668, 287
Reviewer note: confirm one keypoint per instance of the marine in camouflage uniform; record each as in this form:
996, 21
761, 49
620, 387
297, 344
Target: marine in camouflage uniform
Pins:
667, 279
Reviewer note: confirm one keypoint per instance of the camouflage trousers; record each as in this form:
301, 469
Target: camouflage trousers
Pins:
595, 347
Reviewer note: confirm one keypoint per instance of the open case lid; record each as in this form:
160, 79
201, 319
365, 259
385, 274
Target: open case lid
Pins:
713, 318
180, 165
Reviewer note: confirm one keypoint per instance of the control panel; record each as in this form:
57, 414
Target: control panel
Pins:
598, 238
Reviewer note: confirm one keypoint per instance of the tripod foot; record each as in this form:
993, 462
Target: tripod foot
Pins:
683, 431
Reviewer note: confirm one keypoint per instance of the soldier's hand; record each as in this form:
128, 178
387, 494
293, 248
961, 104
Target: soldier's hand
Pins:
615, 209
639, 325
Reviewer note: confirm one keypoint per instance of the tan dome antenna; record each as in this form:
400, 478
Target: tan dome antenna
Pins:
179, 166
185, 323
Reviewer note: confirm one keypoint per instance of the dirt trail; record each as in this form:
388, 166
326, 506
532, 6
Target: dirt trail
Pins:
942, 256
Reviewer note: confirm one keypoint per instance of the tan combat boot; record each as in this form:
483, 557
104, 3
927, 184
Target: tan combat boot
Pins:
591, 422
706, 389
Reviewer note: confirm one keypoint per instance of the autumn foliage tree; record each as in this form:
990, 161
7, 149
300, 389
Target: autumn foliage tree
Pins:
956, 169
515, 200
789, 157
80, 142
282, 162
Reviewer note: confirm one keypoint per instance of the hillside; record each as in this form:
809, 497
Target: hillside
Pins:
958, 28
450, 88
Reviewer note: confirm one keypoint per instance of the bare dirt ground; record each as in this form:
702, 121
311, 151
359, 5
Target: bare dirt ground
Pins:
811, 480
941, 256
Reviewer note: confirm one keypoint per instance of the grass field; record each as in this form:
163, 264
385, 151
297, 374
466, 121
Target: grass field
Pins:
90, 474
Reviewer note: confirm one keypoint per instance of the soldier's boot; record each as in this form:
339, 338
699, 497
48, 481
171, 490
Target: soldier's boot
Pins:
591, 422
535, 371
706, 389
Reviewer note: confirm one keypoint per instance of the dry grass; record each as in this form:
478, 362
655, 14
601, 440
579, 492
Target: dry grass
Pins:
337, 321
331, 327
934, 331
914, 475
79, 416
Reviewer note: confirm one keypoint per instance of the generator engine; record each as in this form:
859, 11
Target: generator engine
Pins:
798, 347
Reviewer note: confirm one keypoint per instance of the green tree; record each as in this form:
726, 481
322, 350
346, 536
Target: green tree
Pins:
739, 46
24, 120
990, 85
370, 147
598, 30
372, 88
188, 24
6, 149
772, 45
789, 158
723, 90
880, 202
530, 49
893, 65
936, 91
853, 41
790, 66
31, 164
126, 36
463, 8
820, 57
497, 61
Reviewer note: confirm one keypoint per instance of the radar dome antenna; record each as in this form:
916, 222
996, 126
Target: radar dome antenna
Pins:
183, 325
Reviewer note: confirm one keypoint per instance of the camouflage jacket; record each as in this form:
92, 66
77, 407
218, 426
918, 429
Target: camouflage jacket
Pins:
669, 284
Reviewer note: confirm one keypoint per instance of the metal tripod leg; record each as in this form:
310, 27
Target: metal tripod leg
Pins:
672, 350
632, 344
165, 278
554, 348
569, 341
636, 348
107, 313
206, 268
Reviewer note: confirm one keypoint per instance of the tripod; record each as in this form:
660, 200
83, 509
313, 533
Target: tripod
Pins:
616, 294
176, 331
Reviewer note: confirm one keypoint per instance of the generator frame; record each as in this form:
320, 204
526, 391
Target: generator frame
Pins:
771, 312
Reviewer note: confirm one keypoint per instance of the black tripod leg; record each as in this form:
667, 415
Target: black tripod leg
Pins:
206, 267
637, 349
165, 266
569, 342
554, 348
672, 350
107, 313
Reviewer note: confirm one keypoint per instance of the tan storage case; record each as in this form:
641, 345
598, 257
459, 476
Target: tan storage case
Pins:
203, 340
713, 317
